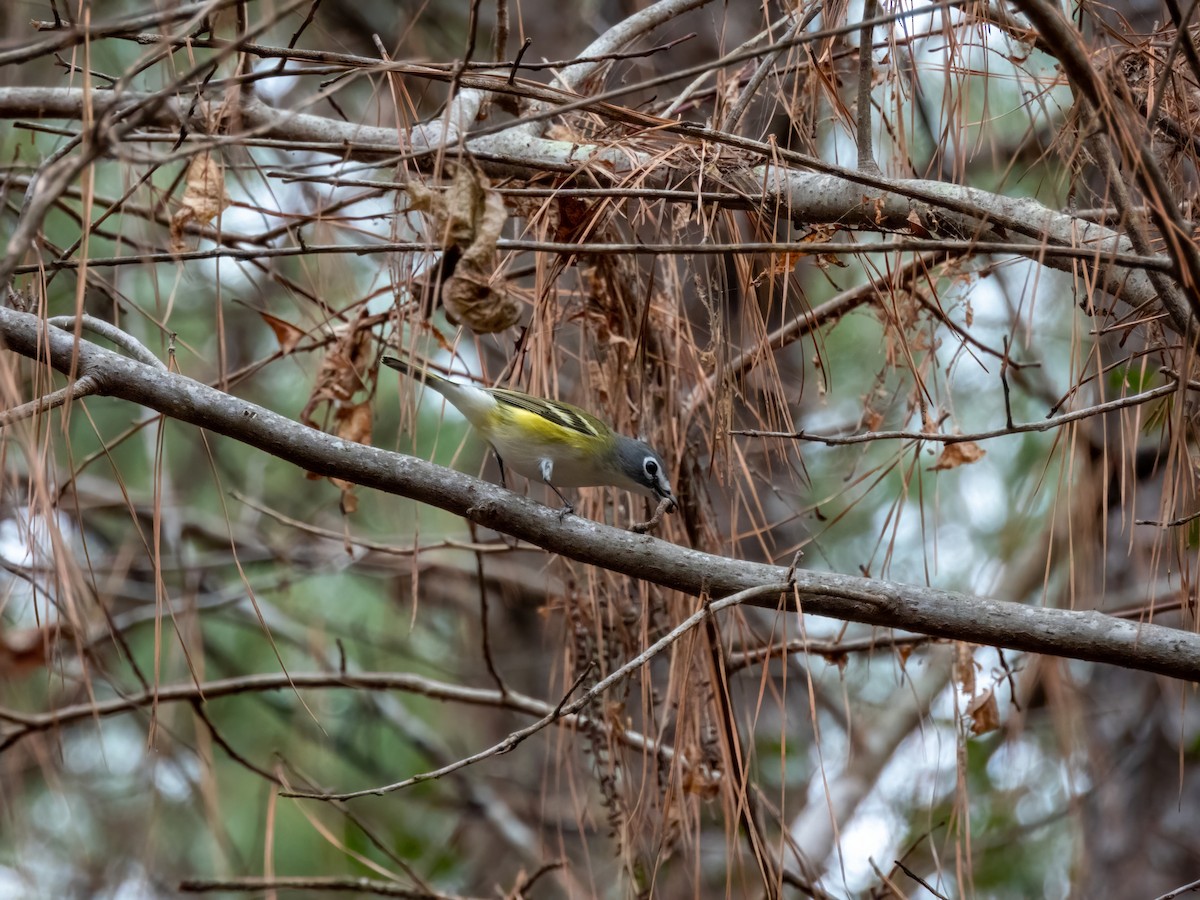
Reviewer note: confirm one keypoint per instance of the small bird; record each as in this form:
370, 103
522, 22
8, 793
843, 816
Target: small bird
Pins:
550, 441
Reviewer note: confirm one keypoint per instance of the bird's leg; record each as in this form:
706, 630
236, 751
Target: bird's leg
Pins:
547, 468
508, 539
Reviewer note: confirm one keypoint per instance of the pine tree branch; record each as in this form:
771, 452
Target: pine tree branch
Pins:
1084, 635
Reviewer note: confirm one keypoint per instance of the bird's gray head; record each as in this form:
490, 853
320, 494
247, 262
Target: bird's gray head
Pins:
642, 469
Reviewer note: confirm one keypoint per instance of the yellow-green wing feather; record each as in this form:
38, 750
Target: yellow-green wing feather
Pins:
563, 414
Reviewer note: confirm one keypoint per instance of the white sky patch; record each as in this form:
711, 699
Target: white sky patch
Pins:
869, 837
173, 778
13, 886
111, 749
1015, 763
274, 90
26, 542
261, 206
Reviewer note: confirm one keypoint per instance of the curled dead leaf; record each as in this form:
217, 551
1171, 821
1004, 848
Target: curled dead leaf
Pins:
469, 216
204, 197
916, 226
349, 501
354, 423
960, 454
780, 265
286, 333
984, 713
342, 371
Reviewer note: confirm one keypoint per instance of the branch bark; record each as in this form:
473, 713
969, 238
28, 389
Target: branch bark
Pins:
1078, 635
825, 195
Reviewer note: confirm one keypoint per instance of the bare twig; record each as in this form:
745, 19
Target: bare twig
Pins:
1050, 424
122, 339
866, 72
620, 674
84, 386
665, 504
360, 886
1039, 252
25, 724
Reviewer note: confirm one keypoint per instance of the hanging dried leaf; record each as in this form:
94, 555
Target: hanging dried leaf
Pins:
916, 226
204, 198
349, 501
781, 265
964, 667
469, 216
342, 370
984, 713
960, 454
575, 217
354, 423
821, 234
340, 378
286, 333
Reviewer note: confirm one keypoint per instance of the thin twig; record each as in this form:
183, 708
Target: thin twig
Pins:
866, 72
665, 504
831, 440
84, 386
361, 886
122, 339
1040, 252
30, 723
750, 91
1189, 888
831, 650
514, 739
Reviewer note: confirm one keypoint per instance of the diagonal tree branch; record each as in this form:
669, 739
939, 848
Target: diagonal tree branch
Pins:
1078, 635
805, 188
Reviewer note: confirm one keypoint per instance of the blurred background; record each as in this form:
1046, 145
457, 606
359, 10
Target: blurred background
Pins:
190, 626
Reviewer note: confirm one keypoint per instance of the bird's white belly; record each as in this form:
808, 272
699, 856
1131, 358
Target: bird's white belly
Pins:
571, 466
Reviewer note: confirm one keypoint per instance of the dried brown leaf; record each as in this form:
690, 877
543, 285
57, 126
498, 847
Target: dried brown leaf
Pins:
574, 217
204, 197
286, 333
916, 226
984, 713
964, 667
470, 216
781, 264
960, 454
354, 423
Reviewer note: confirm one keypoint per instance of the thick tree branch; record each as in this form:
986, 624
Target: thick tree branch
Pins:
1079, 635
828, 194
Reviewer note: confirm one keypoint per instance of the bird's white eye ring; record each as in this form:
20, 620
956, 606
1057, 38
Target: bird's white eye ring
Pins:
651, 467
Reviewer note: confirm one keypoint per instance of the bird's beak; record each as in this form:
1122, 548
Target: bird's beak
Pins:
667, 495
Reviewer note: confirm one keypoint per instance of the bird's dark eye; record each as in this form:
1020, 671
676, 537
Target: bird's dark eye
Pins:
651, 468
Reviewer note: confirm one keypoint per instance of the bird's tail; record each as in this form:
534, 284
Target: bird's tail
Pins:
473, 402
420, 374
